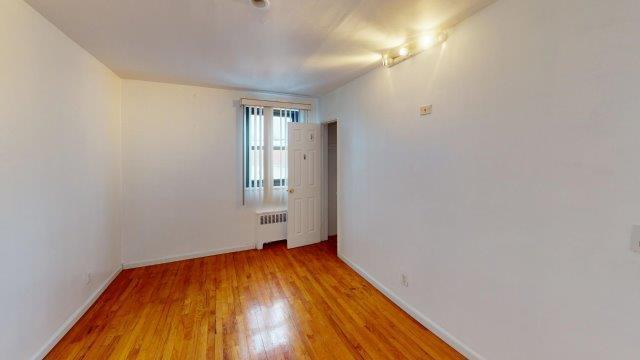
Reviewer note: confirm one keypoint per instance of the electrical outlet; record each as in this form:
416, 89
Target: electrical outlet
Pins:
635, 238
405, 280
426, 110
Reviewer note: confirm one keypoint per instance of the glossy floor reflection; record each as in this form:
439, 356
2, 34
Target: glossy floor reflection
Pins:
269, 304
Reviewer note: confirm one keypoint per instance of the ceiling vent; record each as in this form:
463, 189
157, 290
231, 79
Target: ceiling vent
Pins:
260, 4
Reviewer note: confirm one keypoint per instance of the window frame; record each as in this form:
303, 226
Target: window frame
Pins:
295, 116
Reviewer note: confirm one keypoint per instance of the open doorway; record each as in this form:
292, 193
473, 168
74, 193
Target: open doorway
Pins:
332, 182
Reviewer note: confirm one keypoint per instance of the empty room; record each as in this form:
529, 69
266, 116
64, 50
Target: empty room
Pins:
320, 179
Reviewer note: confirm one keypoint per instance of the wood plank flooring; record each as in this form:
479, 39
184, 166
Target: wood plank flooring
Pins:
271, 304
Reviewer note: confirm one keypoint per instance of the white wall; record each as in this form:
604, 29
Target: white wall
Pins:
183, 170
510, 207
59, 179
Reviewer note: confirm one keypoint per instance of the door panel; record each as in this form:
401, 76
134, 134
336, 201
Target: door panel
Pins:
311, 214
304, 186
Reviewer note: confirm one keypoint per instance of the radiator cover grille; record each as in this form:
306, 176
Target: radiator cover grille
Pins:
272, 218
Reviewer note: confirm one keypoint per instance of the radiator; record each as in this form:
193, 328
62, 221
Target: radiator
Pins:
270, 226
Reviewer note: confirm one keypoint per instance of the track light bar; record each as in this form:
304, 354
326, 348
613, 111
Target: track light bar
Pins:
401, 53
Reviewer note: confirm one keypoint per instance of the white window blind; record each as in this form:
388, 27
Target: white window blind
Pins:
254, 147
255, 133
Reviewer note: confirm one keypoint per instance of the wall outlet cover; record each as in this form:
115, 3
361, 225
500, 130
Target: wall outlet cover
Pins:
426, 110
405, 280
635, 238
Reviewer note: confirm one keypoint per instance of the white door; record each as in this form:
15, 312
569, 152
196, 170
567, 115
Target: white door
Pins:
303, 223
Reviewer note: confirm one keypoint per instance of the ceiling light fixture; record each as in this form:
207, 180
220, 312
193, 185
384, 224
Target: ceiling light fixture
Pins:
261, 4
412, 48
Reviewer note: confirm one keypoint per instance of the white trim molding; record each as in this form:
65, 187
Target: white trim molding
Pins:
193, 255
71, 320
418, 316
275, 104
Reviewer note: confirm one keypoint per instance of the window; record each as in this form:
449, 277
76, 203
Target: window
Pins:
280, 140
255, 127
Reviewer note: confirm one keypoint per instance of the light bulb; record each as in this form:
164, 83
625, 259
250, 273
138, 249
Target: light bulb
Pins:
386, 61
403, 51
427, 41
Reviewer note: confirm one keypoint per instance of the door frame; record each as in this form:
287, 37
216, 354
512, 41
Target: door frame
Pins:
325, 179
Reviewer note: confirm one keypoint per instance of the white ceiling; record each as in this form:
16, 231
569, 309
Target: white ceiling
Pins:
304, 47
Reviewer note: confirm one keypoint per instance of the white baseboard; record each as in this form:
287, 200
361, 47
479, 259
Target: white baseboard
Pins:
193, 255
422, 319
71, 320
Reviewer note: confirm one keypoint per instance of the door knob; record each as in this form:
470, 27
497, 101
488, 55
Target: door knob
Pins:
291, 191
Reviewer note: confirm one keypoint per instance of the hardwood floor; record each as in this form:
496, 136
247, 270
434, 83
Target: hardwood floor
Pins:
271, 304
